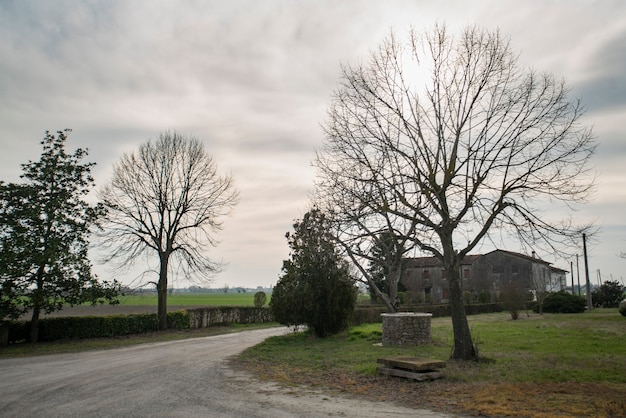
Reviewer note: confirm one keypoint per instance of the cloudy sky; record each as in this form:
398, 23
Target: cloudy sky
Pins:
252, 79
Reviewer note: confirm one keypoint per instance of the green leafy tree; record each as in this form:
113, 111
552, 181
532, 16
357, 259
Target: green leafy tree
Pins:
45, 228
165, 201
608, 295
14, 228
315, 288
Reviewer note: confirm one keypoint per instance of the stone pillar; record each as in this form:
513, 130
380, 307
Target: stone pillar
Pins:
406, 328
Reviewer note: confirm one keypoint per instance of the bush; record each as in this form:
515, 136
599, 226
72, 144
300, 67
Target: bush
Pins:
622, 307
484, 297
259, 299
372, 314
402, 298
513, 298
467, 297
80, 327
562, 302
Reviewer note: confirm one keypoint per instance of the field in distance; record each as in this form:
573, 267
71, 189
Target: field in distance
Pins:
192, 299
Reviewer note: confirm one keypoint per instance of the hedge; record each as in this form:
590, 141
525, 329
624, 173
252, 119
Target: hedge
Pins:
371, 314
78, 327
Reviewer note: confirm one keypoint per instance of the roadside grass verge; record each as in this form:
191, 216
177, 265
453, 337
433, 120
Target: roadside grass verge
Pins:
539, 366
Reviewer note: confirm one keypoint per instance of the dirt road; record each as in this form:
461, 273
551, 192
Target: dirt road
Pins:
186, 378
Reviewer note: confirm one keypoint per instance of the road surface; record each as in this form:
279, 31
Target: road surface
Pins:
186, 378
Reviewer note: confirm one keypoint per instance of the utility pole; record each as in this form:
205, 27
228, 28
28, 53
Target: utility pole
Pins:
571, 269
589, 301
578, 273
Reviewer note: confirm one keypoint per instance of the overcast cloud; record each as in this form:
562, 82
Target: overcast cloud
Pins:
252, 79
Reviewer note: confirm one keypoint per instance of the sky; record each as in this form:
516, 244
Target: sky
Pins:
253, 79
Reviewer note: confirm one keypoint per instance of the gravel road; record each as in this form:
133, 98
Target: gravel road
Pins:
186, 378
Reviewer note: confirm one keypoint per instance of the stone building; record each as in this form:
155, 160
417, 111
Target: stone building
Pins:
425, 278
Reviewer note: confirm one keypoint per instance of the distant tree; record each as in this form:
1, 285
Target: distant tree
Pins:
386, 267
259, 299
446, 140
166, 201
542, 285
608, 295
44, 235
315, 288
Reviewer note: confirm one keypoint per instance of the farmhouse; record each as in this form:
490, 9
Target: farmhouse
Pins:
425, 278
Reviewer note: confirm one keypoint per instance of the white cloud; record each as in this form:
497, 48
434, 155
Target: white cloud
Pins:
252, 79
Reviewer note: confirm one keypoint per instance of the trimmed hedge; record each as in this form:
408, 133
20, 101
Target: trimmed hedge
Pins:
371, 314
563, 302
79, 327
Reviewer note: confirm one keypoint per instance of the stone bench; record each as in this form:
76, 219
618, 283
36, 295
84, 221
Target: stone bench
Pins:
415, 368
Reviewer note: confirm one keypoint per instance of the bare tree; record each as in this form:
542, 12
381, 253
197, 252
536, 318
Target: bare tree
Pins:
165, 200
445, 139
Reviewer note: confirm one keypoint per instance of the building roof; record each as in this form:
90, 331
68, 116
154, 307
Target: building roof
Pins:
532, 258
423, 262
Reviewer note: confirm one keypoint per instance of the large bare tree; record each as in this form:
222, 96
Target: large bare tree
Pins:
444, 140
166, 201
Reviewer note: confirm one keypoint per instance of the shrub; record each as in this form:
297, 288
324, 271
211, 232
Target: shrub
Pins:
622, 307
513, 297
562, 302
259, 299
80, 327
467, 297
484, 297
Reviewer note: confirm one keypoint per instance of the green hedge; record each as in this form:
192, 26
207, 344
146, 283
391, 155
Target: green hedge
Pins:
79, 327
371, 314
562, 302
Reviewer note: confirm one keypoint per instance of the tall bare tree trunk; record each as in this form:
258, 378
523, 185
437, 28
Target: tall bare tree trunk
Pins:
162, 293
463, 344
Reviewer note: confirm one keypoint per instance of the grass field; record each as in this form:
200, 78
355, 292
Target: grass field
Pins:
538, 366
191, 299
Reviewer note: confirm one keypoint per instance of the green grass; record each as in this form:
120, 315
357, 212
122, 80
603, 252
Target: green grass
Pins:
190, 299
539, 366
586, 347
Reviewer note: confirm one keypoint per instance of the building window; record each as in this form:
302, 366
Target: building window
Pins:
466, 273
444, 274
426, 274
